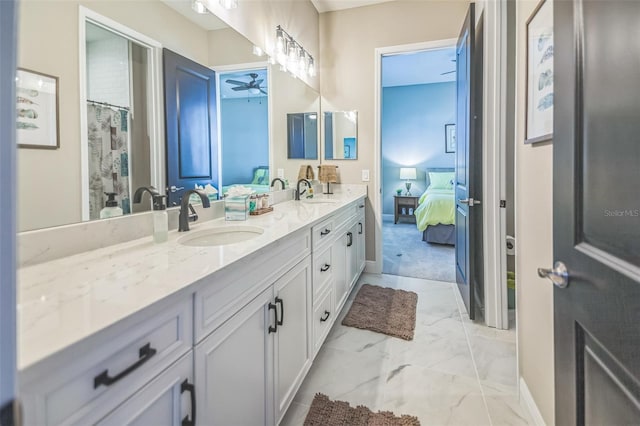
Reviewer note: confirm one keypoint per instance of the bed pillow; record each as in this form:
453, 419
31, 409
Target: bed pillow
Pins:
260, 176
441, 180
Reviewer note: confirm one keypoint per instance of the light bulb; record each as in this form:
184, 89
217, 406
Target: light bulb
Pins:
312, 67
280, 42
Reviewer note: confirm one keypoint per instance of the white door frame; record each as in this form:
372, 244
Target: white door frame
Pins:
155, 99
8, 166
494, 160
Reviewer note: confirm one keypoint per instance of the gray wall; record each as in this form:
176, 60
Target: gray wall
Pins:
413, 120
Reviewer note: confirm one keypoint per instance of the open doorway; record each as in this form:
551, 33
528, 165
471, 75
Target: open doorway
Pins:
417, 121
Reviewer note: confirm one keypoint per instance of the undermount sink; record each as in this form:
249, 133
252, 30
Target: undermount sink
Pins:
319, 200
220, 236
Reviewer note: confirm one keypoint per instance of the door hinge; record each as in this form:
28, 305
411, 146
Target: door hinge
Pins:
11, 414
503, 204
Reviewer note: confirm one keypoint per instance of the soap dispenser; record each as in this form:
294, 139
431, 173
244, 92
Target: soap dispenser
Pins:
160, 219
111, 209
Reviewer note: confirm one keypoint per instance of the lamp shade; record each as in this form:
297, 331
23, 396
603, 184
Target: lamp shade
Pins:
408, 173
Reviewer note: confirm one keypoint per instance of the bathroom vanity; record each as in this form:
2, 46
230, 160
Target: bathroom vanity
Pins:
143, 333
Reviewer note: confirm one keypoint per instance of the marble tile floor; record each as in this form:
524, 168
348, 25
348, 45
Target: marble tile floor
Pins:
454, 372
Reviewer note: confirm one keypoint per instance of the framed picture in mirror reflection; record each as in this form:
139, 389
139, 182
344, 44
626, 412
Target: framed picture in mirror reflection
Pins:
36, 110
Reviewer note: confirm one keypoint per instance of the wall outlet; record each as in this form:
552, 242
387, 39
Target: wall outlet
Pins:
365, 175
281, 173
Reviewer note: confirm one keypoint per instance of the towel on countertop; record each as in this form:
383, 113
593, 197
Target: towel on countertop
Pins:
306, 172
328, 173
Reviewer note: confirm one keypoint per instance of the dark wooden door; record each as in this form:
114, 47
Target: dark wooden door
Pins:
596, 172
191, 129
468, 163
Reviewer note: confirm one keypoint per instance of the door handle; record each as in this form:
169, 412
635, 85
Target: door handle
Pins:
470, 201
325, 232
325, 268
174, 188
559, 275
281, 303
272, 328
145, 354
350, 235
325, 316
188, 387
360, 224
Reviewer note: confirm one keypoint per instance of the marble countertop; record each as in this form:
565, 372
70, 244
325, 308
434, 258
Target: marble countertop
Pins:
66, 300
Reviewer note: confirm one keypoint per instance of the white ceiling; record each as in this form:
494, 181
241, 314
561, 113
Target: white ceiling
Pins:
209, 21
332, 5
418, 68
225, 88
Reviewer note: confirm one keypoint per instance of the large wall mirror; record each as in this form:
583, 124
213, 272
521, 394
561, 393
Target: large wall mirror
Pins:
111, 117
340, 135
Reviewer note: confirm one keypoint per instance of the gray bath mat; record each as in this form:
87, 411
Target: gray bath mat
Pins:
325, 412
384, 310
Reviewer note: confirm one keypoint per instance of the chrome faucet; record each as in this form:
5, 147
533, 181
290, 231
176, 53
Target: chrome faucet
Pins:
187, 213
298, 193
273, 182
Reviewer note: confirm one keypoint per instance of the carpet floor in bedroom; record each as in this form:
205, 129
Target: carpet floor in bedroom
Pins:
405, 254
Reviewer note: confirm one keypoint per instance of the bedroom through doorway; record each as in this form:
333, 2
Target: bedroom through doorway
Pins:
417, 125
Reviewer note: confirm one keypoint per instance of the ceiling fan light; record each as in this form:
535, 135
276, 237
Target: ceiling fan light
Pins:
199, 7
254, 91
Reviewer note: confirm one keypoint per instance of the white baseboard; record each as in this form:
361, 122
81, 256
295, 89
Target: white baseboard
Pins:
529, 404
371, 267
387, 217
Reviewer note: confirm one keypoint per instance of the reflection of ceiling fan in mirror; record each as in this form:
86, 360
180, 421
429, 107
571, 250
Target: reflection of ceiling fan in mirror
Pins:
252, 86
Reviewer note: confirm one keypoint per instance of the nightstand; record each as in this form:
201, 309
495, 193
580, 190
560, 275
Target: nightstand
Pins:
405, 202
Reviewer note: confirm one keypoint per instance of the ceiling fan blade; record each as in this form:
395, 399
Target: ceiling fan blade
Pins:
262, 91
236, 82
259, 81
448, 72
237, 88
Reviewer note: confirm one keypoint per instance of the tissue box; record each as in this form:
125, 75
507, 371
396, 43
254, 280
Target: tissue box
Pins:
236, 208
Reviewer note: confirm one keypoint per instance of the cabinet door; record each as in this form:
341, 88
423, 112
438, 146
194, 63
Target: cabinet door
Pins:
293, 347
352, 256
361, 245
340, 284
233, 368
166, 400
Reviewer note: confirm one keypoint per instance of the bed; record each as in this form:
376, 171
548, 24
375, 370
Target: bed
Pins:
259, 184
435, 215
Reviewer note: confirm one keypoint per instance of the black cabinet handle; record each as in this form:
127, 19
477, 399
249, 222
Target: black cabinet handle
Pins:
145, 353
281, 303
325, 268
188, 387
360, 225
350, 235
273, 329
325, 232
325, 316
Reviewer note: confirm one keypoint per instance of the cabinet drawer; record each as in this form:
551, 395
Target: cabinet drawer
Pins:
322, 232
322, 271
84, 383
323, 318
229, 290
345, 216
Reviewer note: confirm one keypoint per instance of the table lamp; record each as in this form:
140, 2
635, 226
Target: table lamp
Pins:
408, 174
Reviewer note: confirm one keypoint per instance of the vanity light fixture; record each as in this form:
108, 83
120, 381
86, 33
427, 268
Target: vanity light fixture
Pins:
229, 4
292, 56
199, 7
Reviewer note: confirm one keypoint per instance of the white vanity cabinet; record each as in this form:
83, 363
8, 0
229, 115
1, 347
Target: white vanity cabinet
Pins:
248, 370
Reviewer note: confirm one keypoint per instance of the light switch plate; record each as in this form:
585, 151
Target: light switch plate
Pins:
281, 173
365, 175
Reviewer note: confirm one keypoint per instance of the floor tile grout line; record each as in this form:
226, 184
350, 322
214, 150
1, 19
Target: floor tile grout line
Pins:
473, 359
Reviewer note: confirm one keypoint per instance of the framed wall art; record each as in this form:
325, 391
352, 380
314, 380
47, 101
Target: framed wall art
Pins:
539, 105
449, 138
36, 110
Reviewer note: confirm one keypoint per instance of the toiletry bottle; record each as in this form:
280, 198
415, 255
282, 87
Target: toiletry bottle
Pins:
111, 208
160, 219
310, 192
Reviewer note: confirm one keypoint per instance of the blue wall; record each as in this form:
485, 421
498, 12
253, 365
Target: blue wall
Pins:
413, 120
245, 138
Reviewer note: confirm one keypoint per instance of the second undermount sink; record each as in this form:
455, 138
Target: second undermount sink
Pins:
220, 236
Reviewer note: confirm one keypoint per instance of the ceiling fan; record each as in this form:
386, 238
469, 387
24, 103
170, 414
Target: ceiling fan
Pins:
449, 72
253, 86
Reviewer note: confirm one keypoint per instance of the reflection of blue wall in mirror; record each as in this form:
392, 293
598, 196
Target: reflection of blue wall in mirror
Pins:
245, 138
349, 148
413, 119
